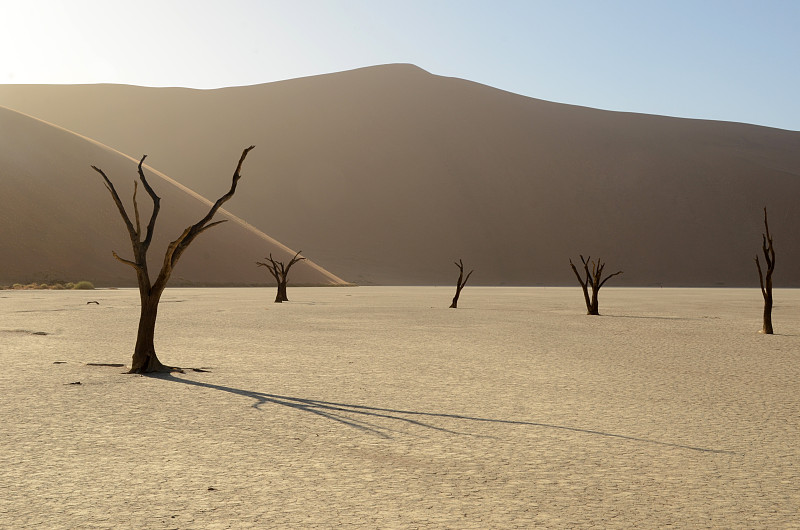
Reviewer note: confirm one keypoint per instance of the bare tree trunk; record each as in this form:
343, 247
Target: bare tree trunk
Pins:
280, 295
145, 359
454, 303
276, 273
460, 283
591, 304
594, 308
767, 329
282, 291
766, 281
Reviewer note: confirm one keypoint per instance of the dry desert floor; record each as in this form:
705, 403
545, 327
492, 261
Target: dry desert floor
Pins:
379, 407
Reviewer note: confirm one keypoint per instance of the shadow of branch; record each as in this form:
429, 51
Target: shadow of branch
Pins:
652, 317
361, 416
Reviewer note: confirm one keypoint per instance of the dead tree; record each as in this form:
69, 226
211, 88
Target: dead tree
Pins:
280, 272
461, 282
145, 359
593, 279
766, 281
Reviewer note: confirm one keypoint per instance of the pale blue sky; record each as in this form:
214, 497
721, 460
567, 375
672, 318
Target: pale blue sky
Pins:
712, 59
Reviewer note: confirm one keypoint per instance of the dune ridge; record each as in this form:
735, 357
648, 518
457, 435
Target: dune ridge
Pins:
31, 256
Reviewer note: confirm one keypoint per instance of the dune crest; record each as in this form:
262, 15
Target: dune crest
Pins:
59, 223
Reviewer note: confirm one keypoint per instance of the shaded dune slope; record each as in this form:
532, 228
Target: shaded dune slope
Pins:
58, 222
387, 174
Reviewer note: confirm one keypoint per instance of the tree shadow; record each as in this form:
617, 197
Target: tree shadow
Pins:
364, 418
651, 317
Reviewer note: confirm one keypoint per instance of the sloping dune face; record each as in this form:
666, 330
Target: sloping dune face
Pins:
389, 174
59, 223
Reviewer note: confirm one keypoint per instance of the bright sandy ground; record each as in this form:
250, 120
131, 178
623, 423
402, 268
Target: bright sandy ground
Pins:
380, 407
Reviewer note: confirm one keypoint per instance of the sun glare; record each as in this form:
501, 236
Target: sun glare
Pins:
45, 44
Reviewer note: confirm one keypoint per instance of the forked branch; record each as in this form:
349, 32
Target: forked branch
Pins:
272, 267
114, 195
177, 247
156, 206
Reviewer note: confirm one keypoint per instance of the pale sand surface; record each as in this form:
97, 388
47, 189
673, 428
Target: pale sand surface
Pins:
379, 407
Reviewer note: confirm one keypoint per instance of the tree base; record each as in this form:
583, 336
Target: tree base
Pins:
148, 363
160, 370
166, 369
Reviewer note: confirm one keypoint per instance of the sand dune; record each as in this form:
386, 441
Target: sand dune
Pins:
58, 222
387, 174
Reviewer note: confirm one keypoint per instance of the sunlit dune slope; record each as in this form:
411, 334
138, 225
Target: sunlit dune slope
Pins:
388, 174
59, 223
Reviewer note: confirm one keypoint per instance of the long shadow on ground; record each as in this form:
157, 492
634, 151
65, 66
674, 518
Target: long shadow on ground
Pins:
360, 416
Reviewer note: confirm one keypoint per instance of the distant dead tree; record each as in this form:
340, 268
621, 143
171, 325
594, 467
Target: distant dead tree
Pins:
766, 281
145, 359
280, 272
593, 279
461, 282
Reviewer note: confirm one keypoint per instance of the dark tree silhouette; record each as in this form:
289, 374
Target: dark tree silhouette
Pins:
593, 279
144, 354
280, 272
461, 282
766, 281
